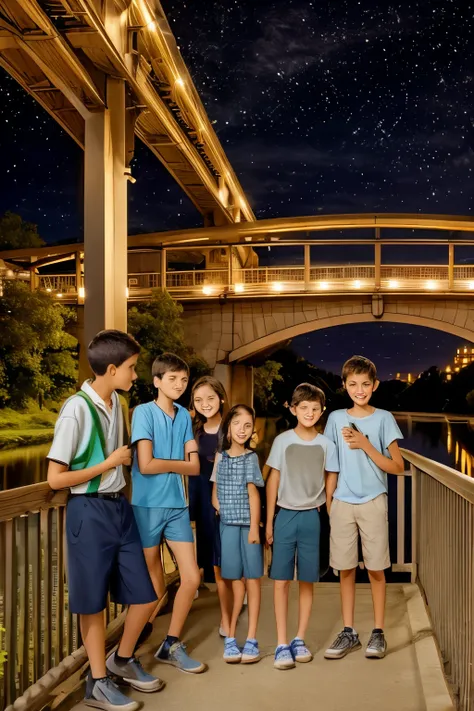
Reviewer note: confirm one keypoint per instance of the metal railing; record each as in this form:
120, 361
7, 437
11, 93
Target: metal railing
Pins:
443, 564
42, 637
396, 278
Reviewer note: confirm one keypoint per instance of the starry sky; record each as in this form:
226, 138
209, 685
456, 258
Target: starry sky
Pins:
321, 107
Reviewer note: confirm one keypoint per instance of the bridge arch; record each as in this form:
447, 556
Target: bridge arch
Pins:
272, 339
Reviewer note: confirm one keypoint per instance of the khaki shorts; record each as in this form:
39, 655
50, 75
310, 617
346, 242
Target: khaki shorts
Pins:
371, 521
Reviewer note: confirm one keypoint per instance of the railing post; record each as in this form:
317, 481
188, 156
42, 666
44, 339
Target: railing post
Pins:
230, 278
451, 267
80, 297
164, 267
414, 523
377, 258
307, 266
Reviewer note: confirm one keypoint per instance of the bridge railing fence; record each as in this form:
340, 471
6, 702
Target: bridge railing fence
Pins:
443, 565
42, 638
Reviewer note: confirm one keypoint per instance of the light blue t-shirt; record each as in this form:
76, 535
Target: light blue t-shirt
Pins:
168, 436
360, 479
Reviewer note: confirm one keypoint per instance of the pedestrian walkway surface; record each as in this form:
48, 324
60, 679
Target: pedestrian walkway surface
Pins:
353, 682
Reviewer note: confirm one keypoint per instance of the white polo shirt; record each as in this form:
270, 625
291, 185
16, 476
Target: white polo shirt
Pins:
73, 431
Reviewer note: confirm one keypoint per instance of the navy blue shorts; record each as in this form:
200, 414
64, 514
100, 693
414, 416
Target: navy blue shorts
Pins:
104, 553
296, 540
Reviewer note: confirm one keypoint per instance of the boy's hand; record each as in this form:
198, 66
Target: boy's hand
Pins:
254, 536
269, 534
122, 455
355, 440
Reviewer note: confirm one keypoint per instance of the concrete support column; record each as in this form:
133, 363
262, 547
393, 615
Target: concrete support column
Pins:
307, 266
79, 284
163, 268
237, 381
105, 215
450, 267
230, 279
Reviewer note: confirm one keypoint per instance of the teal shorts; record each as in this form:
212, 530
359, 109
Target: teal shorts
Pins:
239, 558
155, 523
296, 540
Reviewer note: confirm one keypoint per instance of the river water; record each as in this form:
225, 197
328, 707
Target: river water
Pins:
450, 443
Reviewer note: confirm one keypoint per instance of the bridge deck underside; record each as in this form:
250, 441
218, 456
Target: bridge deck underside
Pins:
392, 683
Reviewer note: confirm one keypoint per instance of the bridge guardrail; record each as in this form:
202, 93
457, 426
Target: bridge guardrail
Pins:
443, 564
42, 637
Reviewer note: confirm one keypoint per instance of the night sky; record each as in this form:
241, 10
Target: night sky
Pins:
321, 107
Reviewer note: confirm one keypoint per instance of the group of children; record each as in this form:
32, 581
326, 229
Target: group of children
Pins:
115, 546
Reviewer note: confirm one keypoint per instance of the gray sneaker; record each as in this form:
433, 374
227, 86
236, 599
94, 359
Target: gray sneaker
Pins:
133, 674
377, 646
104, 694
345, 642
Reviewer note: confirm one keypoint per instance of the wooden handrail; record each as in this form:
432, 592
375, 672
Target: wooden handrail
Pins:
30, 499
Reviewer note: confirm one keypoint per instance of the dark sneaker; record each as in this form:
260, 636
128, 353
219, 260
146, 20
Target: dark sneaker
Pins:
300, 651
283, 657
104, 694
377, 646
177, 656
345, 642
133, 674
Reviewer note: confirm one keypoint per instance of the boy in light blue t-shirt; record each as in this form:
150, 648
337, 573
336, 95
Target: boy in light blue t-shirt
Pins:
165, 452
366, 439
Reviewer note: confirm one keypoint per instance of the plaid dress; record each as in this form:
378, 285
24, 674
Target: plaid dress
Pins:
232, 475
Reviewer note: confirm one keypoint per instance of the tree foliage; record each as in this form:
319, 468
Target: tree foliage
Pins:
37, 355
158, 327
15, 233
263, 381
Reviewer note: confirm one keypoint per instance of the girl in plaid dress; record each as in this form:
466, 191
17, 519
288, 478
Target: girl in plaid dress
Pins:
236, 477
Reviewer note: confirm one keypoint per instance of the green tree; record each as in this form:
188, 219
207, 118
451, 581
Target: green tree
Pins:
158, 327
15, 233
263, 380
37, 355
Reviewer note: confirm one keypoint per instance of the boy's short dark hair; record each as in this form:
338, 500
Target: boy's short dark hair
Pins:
110, 347
357, 365
168, 362
307, 392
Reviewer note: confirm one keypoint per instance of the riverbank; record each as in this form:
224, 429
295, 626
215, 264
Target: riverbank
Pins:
22, 429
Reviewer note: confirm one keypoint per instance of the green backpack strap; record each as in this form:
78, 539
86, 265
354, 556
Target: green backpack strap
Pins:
95, 451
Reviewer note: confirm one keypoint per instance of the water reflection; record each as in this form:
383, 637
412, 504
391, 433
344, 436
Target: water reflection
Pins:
23, 466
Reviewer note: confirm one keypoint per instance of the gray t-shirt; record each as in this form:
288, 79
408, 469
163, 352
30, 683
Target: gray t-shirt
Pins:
301, 464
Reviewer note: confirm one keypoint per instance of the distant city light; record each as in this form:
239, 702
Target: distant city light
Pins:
393, 284
82, 292
357, 284
48, 290
207, 290
277, 286
239, 288
127, 292
470, 285
323, 285
60, 296
431, 285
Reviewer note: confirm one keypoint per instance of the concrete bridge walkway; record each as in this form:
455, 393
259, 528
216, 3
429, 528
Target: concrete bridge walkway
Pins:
355, 682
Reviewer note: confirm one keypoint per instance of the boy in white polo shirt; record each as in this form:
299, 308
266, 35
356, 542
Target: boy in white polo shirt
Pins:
104, 547
366, 440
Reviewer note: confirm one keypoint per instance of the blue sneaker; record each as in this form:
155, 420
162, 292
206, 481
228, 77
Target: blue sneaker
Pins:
300, 651
232, 654
133, 674
177, 656
104, 694
283, 657
250, 652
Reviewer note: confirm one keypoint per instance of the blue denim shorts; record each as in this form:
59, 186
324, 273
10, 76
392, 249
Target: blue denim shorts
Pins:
239, 558
155, 523
296, 540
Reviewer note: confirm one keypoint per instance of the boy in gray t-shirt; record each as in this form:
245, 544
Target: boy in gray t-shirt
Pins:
298, 461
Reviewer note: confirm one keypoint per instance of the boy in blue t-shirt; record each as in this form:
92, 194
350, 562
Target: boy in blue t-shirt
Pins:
366, 439
165, 452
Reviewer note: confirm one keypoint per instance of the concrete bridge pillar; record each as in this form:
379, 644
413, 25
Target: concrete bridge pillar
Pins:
105, 215
237, 381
